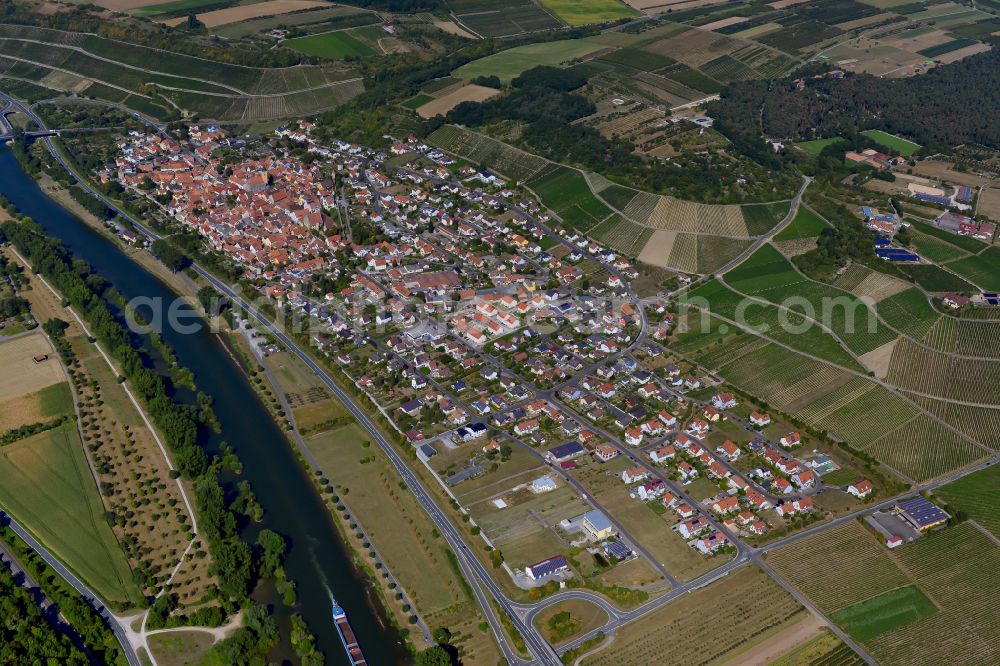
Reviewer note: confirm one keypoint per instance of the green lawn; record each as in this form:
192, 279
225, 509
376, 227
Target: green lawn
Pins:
893, 142
45, 483
583, 12
841, 477
884, 613
816, 146
510, 63
805, 225
332, 45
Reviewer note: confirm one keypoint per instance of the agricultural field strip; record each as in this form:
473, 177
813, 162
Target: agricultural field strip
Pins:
238, 92
803, 279
901, 393
135, 403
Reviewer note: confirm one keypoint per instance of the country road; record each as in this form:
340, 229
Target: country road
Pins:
486, 591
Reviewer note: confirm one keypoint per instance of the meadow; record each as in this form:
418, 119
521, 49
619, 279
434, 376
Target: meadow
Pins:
566, 192
816, 146
512, 62
330, 45
892, 142
372, 490
805, 224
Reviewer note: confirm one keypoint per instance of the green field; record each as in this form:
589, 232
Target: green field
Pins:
174, 7
893, 142
983, 270
332, 45
908, 312
785, 327
417, 101
806, 224
886, 612
976, 495
510, 63
816, 146
565, 191
584, 12
45, 483
934, 278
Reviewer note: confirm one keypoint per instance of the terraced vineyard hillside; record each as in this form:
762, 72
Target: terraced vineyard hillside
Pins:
38, 63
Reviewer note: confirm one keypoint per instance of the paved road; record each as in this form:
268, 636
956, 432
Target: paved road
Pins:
472, 568
474, 571
78, 585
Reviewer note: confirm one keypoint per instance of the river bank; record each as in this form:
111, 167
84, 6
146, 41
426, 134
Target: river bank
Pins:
391, 608
316, 558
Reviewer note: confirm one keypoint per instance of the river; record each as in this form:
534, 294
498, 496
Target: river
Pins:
316, 560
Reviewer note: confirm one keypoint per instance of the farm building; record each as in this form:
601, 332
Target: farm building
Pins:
546, 568
922, 513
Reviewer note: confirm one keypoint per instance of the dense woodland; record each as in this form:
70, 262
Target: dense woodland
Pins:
948, 106
26, 635
547, 100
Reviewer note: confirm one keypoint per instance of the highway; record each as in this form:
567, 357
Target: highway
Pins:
78, 585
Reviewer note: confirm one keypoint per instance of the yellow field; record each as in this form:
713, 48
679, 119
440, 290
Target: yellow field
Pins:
246, 12
20, 373
442, 105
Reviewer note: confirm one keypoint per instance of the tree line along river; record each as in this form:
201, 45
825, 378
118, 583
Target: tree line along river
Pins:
316, 558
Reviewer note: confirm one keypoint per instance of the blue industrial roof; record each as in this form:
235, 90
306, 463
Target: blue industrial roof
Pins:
923, 512
882, 241
428, 450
